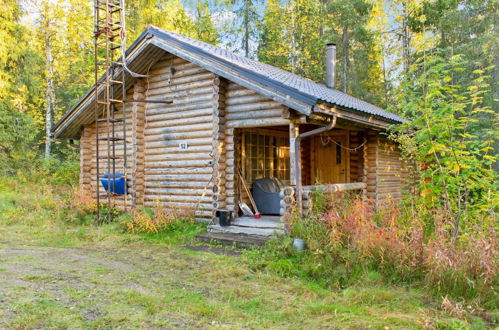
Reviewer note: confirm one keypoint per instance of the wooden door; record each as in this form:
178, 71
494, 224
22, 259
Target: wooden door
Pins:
330, 160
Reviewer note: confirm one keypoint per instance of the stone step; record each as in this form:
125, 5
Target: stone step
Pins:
249, 231
229, 239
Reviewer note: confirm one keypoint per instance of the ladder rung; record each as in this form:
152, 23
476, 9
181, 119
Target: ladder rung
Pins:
104, 4
111, 195
111, 157
110, 139
110, 120
103, 24
103, 43
109, 101
116, 81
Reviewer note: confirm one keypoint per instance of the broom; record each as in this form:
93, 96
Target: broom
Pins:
257, 213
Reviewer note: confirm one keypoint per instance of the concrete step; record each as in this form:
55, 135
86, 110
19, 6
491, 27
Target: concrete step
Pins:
264, 222
229, 239
249, 231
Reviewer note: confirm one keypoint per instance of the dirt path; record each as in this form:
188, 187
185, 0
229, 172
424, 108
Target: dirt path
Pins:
148, 286
86, 280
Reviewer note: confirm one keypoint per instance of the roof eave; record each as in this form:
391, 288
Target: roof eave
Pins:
355, 116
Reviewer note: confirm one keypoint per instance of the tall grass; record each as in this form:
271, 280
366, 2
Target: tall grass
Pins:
349, 241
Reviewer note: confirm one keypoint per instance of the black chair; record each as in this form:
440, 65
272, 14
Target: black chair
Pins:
265, 192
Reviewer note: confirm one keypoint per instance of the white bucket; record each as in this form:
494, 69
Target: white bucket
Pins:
298, 244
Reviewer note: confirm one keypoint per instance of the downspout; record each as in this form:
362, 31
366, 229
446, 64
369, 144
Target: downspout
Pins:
299, 192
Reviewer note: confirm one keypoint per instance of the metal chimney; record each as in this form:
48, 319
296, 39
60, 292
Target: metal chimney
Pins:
331, 65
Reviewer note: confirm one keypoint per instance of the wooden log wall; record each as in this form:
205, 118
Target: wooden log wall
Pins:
371, 163
205, 116
180, 178
384, 171
389, 171
356, 157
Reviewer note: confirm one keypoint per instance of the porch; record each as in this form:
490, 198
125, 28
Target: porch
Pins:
332, 159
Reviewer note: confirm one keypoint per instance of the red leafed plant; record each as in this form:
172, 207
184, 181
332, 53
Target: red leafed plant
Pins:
401, 244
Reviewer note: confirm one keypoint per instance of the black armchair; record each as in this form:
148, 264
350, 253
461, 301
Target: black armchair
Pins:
266, 193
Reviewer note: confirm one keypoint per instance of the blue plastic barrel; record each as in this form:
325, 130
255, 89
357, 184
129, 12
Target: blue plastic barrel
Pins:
114, 183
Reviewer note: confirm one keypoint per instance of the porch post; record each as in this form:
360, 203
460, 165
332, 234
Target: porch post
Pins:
294, 172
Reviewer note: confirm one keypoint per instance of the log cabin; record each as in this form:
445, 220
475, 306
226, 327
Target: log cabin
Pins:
230, 122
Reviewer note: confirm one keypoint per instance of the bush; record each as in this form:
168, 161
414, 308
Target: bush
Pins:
158, 219
349, 240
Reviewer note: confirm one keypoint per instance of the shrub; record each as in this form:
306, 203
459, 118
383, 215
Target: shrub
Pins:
158, 219
349, 240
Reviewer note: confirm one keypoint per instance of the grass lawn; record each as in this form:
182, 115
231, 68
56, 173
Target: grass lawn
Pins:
56, 274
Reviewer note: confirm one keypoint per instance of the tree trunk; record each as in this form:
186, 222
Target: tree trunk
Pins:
405, 41
49, 94
293, 42
199, 25
246, 23
344, 40
385, 82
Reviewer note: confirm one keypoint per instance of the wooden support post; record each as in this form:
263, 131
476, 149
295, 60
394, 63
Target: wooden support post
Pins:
293, 133
219, 146
138, 145
86, 155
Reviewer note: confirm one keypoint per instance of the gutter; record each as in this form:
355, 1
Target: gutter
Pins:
299, 192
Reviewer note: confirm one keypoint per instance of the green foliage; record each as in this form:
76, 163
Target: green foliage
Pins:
17, 140
453, 154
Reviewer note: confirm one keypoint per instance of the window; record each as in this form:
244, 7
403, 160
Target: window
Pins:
265, 155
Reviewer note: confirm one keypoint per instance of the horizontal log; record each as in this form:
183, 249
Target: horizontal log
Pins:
180, 163
162, 70
272, 113
188, 126
239, 92
179, 109
182, 101
198, 177
179, 137
257, 122
174, 149
167, 93
256, 106
192, 82
256, 98
159, 194
200, 115
337, 187
178, 157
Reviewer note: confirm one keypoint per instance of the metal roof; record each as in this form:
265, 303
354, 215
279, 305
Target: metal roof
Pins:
310, 91
294, 91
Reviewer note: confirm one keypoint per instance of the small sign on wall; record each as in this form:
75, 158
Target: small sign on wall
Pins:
183, 146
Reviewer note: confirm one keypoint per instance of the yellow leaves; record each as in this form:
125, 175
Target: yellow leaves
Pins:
437, 148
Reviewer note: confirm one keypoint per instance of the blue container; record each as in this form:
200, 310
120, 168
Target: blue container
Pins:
114, 183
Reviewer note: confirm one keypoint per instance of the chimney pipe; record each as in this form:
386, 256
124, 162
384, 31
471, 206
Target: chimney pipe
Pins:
331, 65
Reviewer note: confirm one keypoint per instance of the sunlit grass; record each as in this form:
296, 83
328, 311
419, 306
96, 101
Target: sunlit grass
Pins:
101, 276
